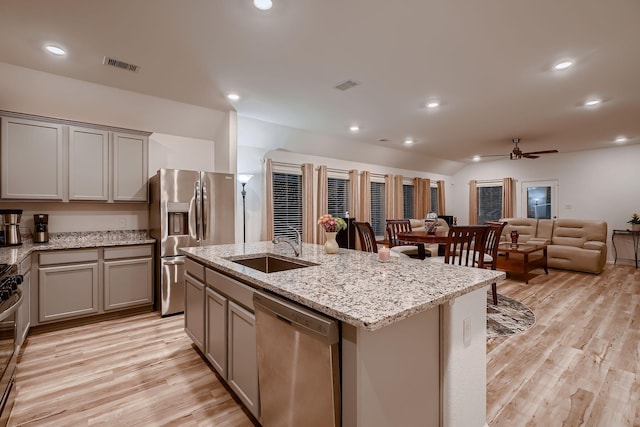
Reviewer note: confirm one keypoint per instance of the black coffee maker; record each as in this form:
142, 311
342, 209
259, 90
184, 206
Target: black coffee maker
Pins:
41, 228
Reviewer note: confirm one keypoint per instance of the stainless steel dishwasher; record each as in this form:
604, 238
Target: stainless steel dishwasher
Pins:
298, 365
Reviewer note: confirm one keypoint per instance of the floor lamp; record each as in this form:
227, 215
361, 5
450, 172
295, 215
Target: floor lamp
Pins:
243, 179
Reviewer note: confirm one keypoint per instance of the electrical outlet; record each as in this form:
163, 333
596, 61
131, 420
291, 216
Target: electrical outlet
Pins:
122, 222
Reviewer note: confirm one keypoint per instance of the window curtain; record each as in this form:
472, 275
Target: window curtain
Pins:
269, 199
388, 197
353, 194
441, 206
421, 197
473, 203
507, 198
364, 211
308, 222
323, 200
398, 192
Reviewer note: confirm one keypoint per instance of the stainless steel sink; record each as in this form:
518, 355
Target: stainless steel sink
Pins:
270, 263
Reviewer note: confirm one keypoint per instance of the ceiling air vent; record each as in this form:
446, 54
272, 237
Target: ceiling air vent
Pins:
346, 85
120, 64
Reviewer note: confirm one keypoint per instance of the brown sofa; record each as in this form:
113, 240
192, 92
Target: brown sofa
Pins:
574, 244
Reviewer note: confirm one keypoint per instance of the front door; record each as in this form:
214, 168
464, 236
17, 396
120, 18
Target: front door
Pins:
540, 199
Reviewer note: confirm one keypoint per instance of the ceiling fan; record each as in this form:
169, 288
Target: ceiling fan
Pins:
517, 154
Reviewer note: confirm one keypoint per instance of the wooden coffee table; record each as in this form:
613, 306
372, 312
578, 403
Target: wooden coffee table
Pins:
522, 259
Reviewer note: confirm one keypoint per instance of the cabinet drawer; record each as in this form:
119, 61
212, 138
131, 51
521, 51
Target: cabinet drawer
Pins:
232, 288
66, 257
194, 269
128, 252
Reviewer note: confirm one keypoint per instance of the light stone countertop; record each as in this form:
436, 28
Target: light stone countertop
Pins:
352, 286
74, 240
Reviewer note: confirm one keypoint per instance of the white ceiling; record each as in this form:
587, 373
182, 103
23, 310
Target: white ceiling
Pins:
490, 62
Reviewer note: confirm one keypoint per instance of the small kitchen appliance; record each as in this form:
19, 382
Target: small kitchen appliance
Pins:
41, 228
11, 226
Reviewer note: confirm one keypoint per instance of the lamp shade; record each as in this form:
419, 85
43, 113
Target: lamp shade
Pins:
244, 178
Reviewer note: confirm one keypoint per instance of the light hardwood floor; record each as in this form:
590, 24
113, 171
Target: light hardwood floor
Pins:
579, 365
134, 371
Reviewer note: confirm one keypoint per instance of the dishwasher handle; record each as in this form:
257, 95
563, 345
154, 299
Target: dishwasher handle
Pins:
297, 315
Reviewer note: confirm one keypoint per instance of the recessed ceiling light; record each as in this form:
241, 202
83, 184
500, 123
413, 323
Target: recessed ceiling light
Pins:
354, 128
55, 50
621, 139
408, 141
433, 104
233, 96
563, 65
263, 4
476, 158
592, 102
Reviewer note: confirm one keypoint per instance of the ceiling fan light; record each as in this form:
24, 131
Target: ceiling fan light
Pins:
263, 4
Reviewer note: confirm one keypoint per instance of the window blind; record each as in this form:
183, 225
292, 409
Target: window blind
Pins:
407, 201
489, 203
338, 196
287, 204
378, 220
434, 199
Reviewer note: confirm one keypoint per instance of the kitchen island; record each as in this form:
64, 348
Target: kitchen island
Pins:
412, 332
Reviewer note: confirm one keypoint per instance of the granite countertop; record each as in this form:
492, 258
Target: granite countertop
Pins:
352, 286
74, 240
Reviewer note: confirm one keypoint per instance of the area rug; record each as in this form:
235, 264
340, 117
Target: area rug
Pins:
509, 317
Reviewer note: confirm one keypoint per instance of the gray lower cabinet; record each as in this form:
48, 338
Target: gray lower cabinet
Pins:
68, 291
242, 374
24, 312
128, 277
216, 331
220, 309
86, 282
194, 310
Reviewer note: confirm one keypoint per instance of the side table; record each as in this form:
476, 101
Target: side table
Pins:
635, 235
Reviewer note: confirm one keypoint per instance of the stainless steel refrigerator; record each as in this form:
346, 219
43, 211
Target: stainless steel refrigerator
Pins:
186, 208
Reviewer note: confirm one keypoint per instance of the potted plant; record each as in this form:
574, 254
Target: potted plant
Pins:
635, 222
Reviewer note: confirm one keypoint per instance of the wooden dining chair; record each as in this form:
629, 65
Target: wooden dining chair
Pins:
466, 245
395, 226
491, 251
367, 237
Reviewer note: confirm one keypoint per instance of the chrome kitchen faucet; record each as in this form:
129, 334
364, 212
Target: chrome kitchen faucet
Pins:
296, 250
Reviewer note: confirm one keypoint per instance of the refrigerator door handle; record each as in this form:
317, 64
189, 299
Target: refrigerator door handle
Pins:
205, 210
198, 196
176, 262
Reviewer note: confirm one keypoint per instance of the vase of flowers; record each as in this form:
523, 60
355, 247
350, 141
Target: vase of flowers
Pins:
635, 222
331, 226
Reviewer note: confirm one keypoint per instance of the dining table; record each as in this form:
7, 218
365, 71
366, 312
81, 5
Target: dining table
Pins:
421, 236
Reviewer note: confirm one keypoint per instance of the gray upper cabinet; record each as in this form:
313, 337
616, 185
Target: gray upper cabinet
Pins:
32, 159
130, 170
88, 164
67, 161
